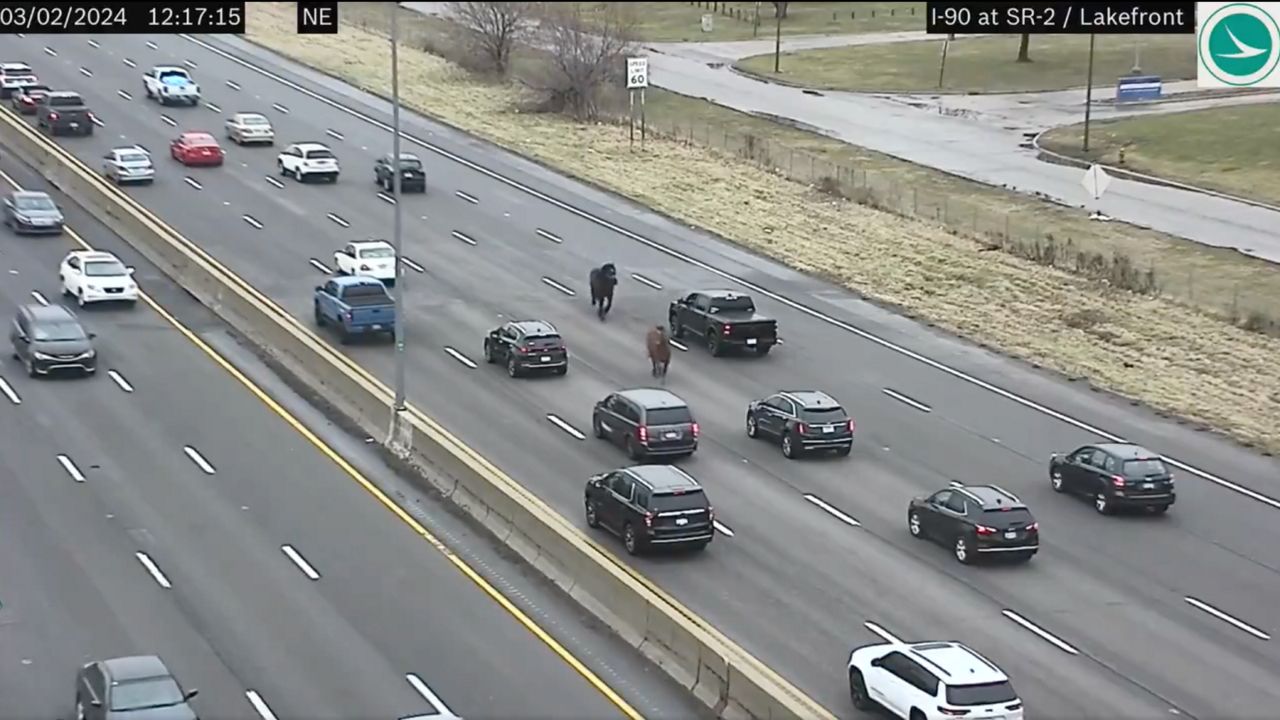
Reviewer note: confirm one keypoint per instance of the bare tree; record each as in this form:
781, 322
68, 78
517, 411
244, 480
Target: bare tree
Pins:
780, 10
495, 27
588, 44
1024, 48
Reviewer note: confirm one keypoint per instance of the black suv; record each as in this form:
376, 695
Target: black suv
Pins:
64, 111
651, 505
412, 176
801, 421
646, 422
49, 337
524, 345
1115, 475
976, 521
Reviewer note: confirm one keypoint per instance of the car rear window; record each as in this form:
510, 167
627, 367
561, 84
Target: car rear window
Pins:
319, 155
365, 295
669, 502
668, 416
819, 416
65, 100
1008, 518
738, 304
985, 694
410, 164
1144, 468
133, 157
543, 342
377, 253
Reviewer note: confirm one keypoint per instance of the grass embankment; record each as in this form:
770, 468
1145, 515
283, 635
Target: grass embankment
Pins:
981, 64
1167, 355
682, 21
1234, 150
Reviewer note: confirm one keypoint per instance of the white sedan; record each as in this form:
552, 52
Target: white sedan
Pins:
129, 164
247, 127
368, 258
92, 276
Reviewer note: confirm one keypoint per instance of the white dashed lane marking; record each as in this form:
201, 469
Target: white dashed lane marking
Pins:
412, 265
646, 281
152, 568
94, 119
338, 220
301, 562
280, 108
190, 63
386, 198
9, 392
1242, 625
460, 357
678, 345
552, 283
232, 84
124, 95
273, 181
428, 695
151, 45
463, 238
192, 182
906, 400
549, 236
86, 72
213, 107
555, 420
119, 380
252, 221
168, 121
888, 636
320, 266
130, 63
722, 528
71, 468
93, 43
1044, 634
198, 459
466, 197
259, 705
50, 51
334, 134
832, 510
39, 298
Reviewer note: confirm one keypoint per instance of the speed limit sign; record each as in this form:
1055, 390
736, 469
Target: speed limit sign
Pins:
637, 73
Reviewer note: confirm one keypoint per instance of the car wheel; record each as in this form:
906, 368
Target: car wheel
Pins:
596, 428
593, 520
789, 449
79, 709
562, 370
630, 541
80, 298
913, 524
752, 429
713, 346
764, 349
513, 369
319, 315
632, 452
283, 172
1055, 479
844, 451
1158, 509
1102, 504
31, 368
858, 691
961, 550
677, 330
488, 352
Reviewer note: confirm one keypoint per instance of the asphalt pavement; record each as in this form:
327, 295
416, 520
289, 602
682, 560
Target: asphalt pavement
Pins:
160, 507
1108, 621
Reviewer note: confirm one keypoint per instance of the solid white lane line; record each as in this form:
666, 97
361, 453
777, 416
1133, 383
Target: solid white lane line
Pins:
71, 468
119, 380
1206, 607
834, 512
412, 265
547, 235
130, 63
430, 697
259, 705
678, 345
86, 72
888, 636
1044, 634
334, 134
558, 286
39, 298
555, 420
722, 528
252, 221
906, 400
646, 281
151, 567
386, 198
124, 95
466, 197
338, 220
232, 84
794, 305
168, 121
463, 238
280, 108
320, 266
301, 562
460, 357
151, 45
50, 51
9, 392
198, 459
213, 107
192, 182
273, 181
93, 43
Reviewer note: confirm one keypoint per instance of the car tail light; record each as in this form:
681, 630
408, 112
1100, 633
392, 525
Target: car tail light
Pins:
522, 350
1033, 527
853, 426
53, 116
1117, 481
952, 712
1015, 706
26, 100
648, 519
802, 428
711, 513
364, 268
346, 315
642, 433
984, 530
695, 430
727, 328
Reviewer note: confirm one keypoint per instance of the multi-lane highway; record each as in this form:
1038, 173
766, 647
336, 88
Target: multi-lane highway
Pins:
161, 507
1117, 617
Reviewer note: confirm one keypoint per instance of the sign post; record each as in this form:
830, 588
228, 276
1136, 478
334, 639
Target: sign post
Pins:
637, 80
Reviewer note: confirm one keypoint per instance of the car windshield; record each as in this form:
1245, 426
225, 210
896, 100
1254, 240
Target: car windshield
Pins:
670, 502
821, 416
669, 416
133, 157
378, 253
174, 77
1146, 467
984, 694
737, 304
33, 203
319, 155
143, 694
253, 120
104, 268
64, 331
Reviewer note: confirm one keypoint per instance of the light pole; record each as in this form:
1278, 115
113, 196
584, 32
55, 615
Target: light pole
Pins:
399, 434
777, 39
1088, 95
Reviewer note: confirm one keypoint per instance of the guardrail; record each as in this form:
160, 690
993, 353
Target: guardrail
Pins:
719, 672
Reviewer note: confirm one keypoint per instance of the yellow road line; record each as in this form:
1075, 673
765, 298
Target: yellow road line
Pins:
377, 493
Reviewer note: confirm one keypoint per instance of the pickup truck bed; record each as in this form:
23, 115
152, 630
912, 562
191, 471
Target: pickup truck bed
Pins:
355, 306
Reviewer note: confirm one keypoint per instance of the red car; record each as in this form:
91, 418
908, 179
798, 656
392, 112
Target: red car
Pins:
196, 148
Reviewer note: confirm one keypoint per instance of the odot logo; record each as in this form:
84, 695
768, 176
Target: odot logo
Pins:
1238, 44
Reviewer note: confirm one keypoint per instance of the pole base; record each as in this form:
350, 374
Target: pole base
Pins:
400, 434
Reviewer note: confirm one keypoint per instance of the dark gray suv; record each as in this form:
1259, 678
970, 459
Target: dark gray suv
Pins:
31, 212
46, 338
646, 422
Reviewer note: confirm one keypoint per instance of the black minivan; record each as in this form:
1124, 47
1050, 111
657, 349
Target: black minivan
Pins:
646, 422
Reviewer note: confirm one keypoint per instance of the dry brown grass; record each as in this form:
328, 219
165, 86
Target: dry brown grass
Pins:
1171, 357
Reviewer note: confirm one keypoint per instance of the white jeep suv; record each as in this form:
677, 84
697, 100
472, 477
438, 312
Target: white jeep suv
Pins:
931, 681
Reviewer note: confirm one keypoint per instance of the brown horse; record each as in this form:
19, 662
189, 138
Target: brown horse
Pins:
659, 347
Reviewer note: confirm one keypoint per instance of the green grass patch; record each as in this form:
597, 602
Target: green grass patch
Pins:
1234, 150
682, 21
982, 64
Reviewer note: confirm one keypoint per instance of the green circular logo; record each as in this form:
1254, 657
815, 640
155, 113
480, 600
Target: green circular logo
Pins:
1240, 44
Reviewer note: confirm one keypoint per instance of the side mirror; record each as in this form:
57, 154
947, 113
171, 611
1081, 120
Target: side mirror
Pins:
93, 335
190, 694
876, 663
131, 270
319, 288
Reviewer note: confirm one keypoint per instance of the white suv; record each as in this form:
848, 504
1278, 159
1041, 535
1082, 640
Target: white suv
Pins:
931, 681
92, 276
306, 160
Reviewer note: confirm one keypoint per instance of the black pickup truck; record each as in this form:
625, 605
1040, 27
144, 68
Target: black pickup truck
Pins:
726, 320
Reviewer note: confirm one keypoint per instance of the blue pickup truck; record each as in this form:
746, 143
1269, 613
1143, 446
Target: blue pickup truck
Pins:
355, 306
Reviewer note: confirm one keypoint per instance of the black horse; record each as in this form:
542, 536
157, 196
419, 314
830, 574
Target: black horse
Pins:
602, 281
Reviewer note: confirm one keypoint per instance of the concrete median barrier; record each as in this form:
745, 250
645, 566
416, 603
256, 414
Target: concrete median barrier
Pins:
718, 671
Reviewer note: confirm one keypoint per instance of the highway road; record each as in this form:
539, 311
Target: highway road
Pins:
1109, 621
160, 507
